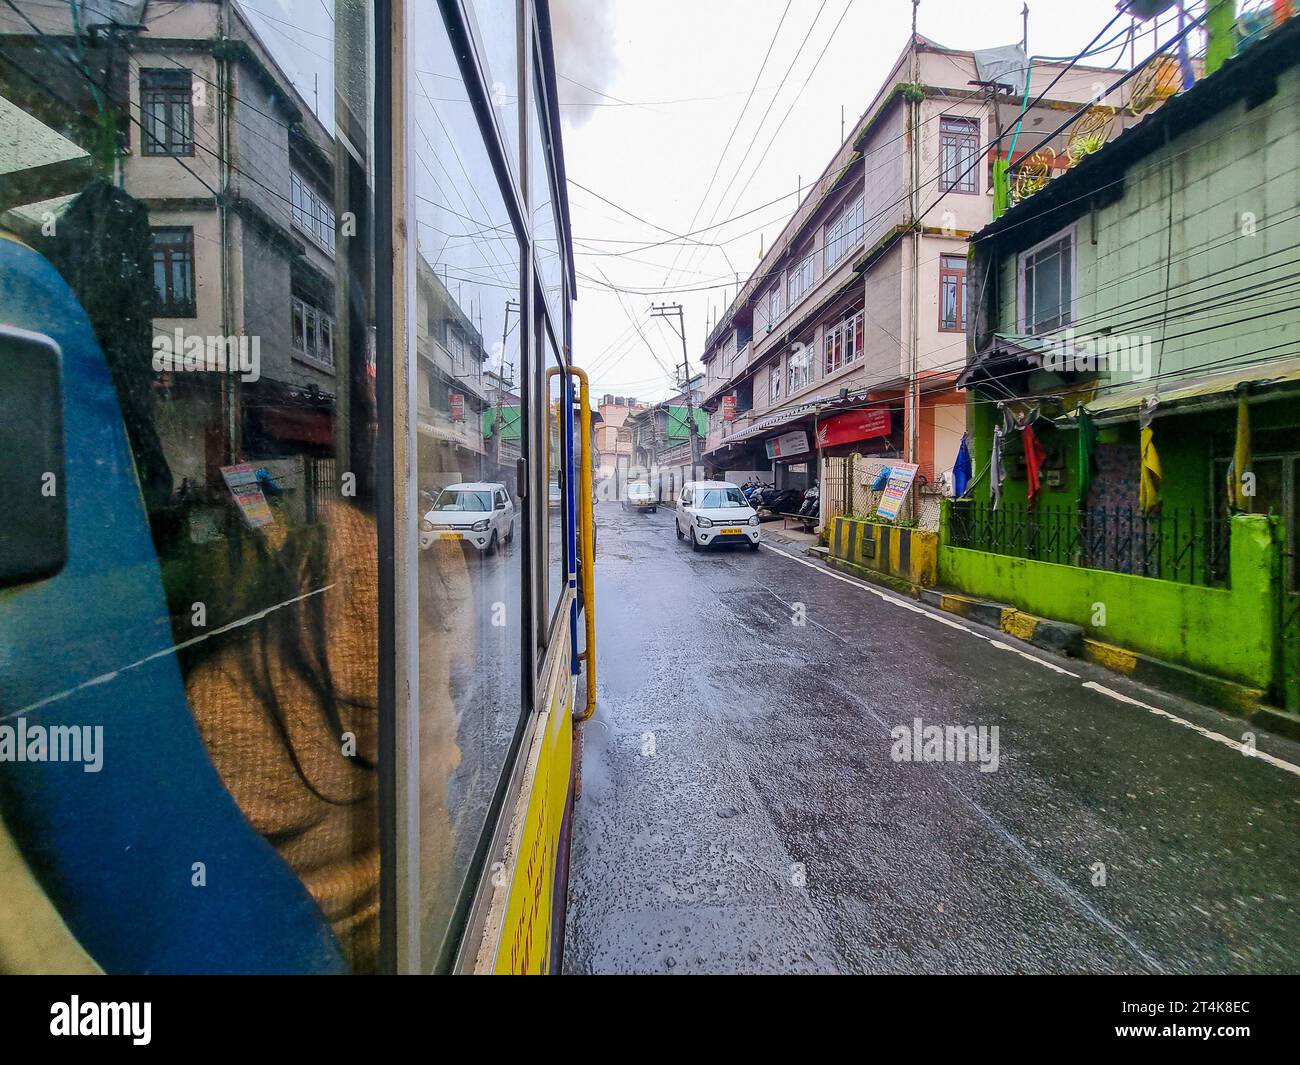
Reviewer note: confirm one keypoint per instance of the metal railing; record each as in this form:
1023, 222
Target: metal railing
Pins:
1186, 546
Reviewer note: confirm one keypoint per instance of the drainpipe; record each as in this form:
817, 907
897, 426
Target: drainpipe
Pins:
913, 381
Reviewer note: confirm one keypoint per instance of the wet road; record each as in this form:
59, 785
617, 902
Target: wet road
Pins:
743, 811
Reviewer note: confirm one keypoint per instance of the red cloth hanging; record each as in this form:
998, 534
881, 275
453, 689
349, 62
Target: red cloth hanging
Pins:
1035, 456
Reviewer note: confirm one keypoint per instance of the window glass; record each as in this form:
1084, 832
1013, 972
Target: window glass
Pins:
497, 24
952, 292
468, 440
959, 140
557, 574
1047, 281
209, 630
167, 111
545, 231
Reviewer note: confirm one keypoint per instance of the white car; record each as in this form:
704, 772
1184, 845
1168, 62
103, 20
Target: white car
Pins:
480, 514
639, 497
715, 512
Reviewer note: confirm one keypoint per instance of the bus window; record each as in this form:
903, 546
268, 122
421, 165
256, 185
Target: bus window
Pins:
472, 523
202, 265
556, 569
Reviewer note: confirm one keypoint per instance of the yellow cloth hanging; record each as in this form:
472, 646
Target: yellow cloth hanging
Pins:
1149, 483
1241, 458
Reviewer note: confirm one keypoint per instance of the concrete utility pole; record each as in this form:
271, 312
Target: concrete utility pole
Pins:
670, 310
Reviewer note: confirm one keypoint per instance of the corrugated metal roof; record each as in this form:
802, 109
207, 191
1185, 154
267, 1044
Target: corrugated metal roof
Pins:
1272, 371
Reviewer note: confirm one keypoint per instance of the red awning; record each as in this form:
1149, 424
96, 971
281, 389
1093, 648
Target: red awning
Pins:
299, 423
853, 425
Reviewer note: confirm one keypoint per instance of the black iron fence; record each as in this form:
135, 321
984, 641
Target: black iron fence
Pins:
1187, 546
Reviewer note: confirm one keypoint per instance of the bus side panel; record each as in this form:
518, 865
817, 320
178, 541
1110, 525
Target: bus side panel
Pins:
527, 934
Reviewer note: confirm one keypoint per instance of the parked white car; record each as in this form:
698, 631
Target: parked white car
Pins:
640, 497
480, 514
715, 512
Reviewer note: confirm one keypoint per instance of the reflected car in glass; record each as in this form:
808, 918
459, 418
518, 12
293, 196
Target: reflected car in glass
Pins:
480, 515
640, 497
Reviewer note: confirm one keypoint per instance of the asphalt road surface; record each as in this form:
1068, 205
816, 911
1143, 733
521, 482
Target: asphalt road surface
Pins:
745, 807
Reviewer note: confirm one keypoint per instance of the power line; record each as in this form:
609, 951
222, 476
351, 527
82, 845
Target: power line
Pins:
735, 126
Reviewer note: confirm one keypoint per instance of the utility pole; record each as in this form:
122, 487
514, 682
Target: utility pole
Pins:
511, 305
671, 310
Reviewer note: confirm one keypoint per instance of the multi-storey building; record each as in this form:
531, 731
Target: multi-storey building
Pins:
848, 337
614, 437
240, 199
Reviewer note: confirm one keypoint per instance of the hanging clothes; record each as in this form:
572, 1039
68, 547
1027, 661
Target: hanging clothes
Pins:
1242, 460
961, 469
1149, 486
1035, 456
997, 470
1087, 454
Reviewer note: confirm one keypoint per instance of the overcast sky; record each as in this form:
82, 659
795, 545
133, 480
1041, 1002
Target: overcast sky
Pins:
675, 75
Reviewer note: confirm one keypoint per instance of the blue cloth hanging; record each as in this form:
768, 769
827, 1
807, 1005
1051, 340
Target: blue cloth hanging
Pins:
961, 470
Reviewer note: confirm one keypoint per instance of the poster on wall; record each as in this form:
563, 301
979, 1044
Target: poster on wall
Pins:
901, 476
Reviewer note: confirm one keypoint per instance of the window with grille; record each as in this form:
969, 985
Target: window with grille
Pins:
166, 112
959, 140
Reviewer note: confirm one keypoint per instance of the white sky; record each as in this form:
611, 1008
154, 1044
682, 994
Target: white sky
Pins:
655, 159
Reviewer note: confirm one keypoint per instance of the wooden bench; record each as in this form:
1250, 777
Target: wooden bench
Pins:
806, 522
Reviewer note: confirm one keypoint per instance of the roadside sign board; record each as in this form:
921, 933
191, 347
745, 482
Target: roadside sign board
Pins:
457, 403
729, 408
901, 475
242, 482
787, 444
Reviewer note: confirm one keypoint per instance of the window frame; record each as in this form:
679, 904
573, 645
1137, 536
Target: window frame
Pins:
967, 173
1023, 324
169, 97
839, 230
946, 272
167, 306
317, 321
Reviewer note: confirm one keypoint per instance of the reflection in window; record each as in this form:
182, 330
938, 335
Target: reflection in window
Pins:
167, 112
173, 272
545, 230
469, 438
557, 573
223, 574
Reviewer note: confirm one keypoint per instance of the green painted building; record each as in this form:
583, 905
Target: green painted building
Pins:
1152, 285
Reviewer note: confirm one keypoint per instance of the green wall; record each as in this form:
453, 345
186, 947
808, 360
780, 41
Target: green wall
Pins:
1227, 632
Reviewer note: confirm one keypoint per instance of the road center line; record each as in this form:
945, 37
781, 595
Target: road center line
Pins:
1217, 737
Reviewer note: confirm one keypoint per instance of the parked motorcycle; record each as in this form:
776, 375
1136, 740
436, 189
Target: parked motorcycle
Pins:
811, 502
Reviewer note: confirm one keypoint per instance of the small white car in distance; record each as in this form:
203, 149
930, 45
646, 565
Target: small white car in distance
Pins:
640, 497
480, 514
715, 512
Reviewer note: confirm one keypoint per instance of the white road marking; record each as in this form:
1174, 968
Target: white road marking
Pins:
1263, 756
896, 600
1033, 658
1217, 737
